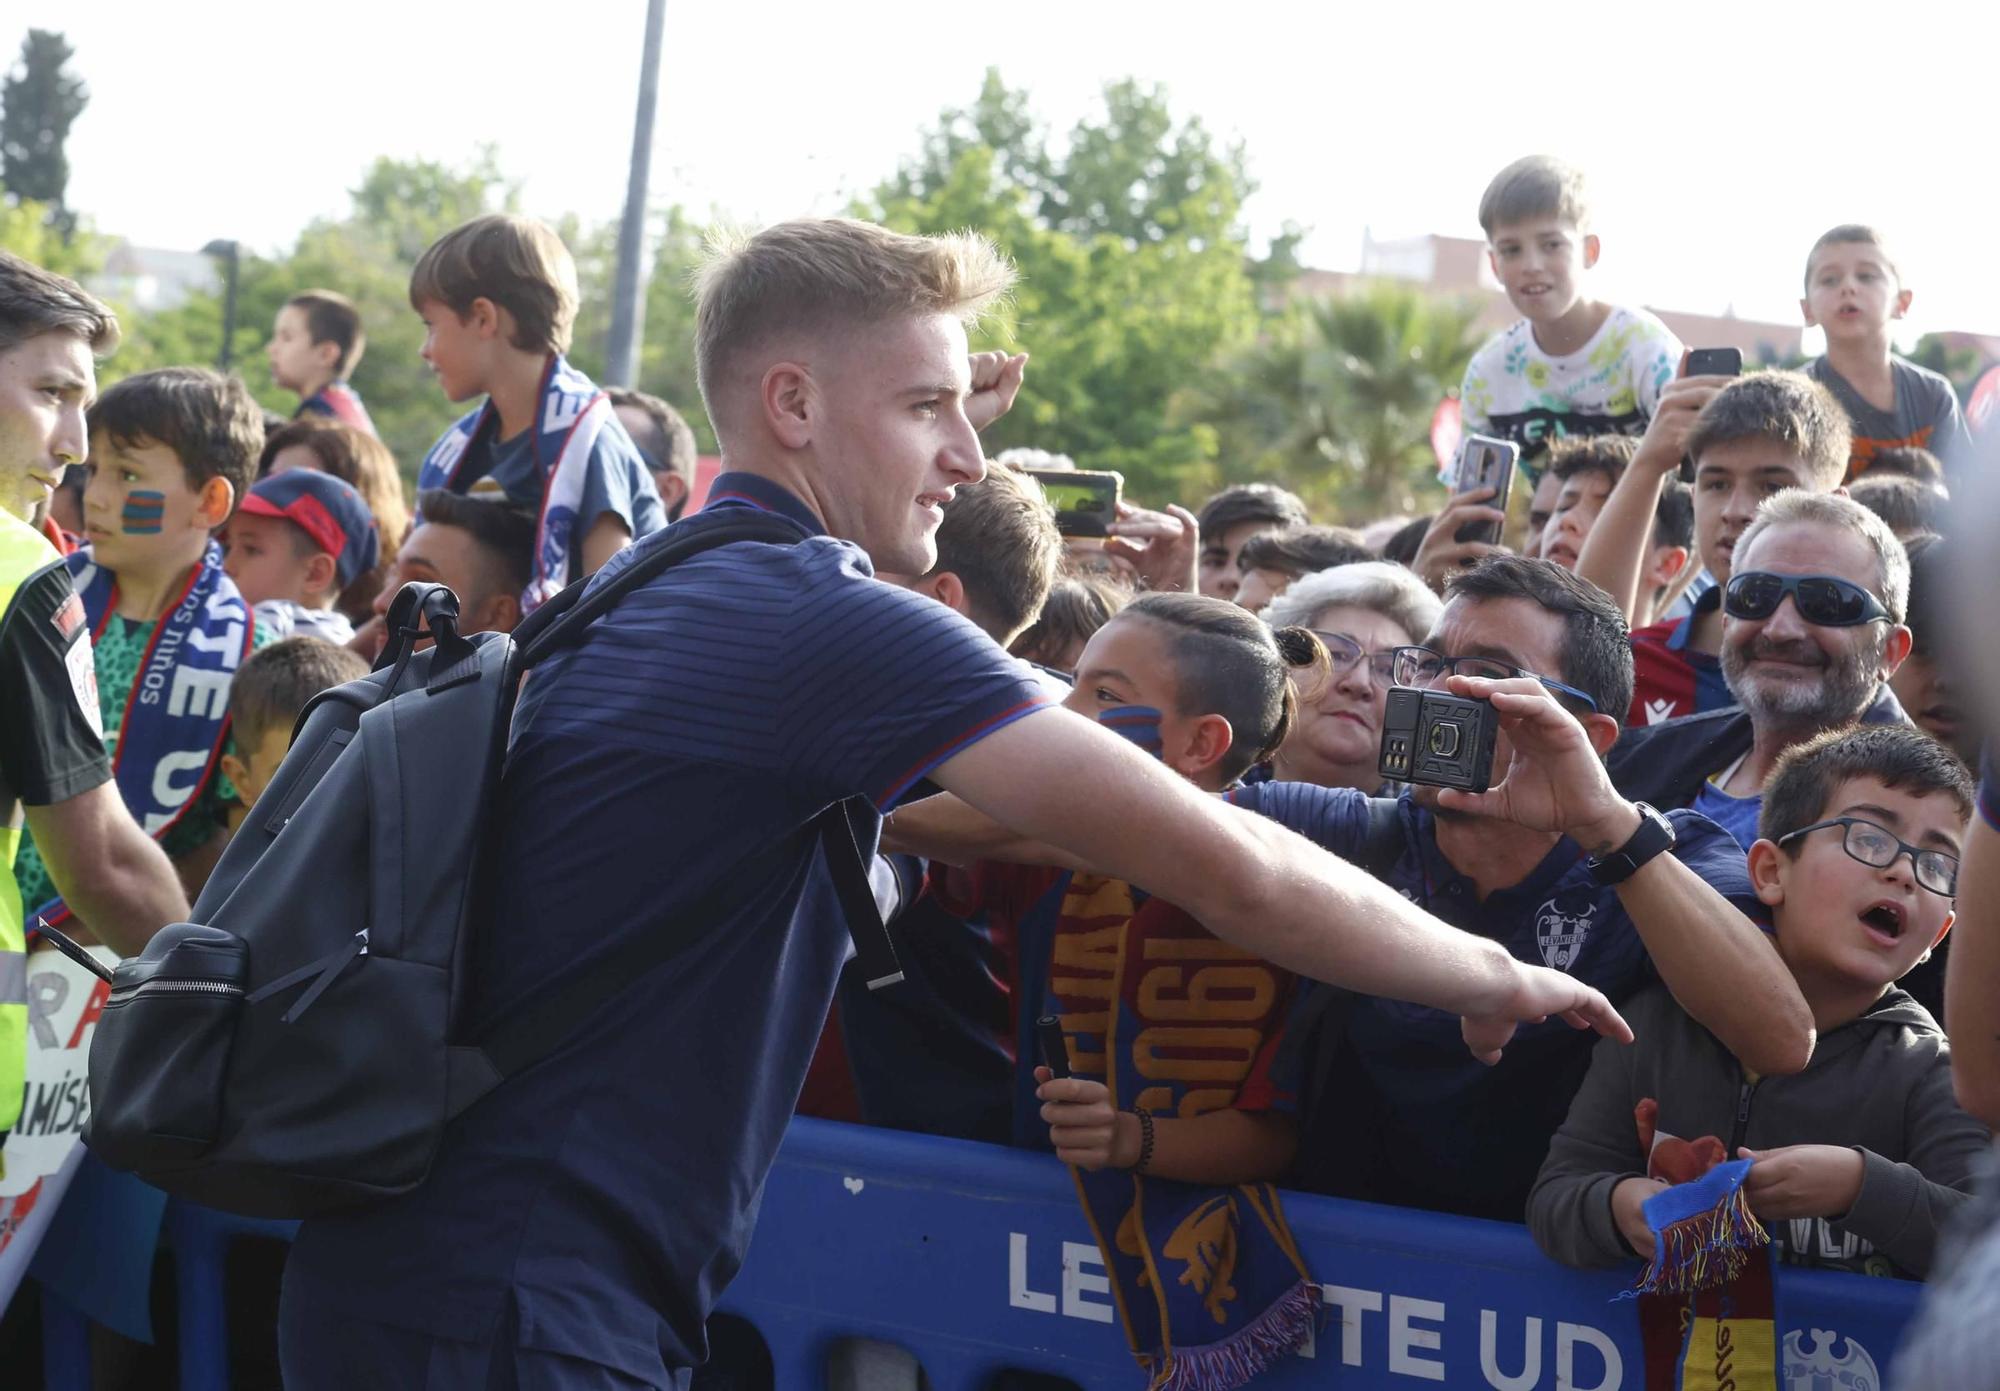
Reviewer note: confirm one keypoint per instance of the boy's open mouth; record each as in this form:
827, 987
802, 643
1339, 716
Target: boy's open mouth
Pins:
1884, 919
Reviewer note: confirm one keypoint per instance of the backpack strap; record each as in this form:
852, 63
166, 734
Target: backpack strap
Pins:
561, 621
537, 1029
533, 1032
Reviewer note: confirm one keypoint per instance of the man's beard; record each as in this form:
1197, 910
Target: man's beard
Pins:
1845, 687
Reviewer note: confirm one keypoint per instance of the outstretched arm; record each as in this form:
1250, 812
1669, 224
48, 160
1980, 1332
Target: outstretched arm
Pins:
1724, 971
1085, 791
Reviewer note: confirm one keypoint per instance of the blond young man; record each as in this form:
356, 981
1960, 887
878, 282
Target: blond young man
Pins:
581, 1221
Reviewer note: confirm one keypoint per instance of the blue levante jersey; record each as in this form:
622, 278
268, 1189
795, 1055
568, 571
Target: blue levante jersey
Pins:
606, 1194
1433, 1126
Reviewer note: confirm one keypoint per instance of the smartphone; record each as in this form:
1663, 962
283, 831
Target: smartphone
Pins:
1709, 362
73, 949
1714, 362
1086, 503
1484, 462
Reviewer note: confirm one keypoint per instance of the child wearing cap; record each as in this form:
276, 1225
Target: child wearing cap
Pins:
300, 538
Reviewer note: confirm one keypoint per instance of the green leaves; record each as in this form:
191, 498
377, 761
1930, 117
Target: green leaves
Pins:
1335, 400
1132, 260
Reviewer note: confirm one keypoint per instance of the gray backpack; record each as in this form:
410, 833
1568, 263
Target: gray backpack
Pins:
295, 1049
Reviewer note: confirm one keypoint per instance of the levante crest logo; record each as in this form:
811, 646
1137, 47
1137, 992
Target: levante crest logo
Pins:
1562, 925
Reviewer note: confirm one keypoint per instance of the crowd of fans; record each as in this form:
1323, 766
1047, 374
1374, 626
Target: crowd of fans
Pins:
1714, 636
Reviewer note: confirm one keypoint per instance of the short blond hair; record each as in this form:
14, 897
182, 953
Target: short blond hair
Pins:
516, 262
814, 273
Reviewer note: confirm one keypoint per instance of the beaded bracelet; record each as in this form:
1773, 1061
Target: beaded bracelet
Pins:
1145, 1139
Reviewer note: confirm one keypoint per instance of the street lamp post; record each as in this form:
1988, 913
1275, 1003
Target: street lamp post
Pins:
621, 355
231, 255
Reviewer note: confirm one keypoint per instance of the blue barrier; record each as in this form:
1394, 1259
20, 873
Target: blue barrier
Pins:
976, 1259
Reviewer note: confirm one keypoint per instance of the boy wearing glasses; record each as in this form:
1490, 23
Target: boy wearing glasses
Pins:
1812, 631
1860, 1158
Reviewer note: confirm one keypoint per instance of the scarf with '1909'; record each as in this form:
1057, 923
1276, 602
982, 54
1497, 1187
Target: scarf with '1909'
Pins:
1209, 1282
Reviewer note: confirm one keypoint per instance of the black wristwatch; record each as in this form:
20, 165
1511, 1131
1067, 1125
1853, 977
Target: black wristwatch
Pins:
1654, 836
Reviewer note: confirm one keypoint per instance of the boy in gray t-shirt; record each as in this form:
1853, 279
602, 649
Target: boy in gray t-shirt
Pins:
1854, 292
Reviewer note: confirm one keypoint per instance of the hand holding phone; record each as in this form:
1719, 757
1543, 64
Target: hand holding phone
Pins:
1683, 403
1086, 503
1485, 463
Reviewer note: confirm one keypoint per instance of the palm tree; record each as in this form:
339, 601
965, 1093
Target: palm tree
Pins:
1336, 399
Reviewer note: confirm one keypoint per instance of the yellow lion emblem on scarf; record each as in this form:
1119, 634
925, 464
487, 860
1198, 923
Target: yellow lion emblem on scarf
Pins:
1207, 1242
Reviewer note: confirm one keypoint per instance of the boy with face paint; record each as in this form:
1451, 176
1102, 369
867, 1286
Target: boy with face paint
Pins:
173, 450
1862, 1157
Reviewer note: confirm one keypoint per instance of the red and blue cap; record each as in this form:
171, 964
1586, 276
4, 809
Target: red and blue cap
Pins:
328, 510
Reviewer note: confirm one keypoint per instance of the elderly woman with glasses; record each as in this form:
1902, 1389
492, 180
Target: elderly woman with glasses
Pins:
1362, 613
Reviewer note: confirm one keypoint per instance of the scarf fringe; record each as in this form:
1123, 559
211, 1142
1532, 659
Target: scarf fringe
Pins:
1704, 1251
1276, 1334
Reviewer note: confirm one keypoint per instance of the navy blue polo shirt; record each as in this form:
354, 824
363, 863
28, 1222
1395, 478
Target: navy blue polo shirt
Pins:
1431, 1125
607, 1193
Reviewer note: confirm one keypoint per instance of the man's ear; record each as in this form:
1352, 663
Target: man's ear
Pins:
790, 401
500, 613
1601, 729
213, 502
1207, 740
322, 573
1895, 649
1592, 248
1766, 864
673, 490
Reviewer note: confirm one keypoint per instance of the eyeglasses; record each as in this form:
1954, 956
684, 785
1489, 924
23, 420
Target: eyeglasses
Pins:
1344, 654
1419, 666
1825, 600
1878, 848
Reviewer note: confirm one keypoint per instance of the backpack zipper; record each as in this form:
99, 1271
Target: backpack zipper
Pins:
172, 987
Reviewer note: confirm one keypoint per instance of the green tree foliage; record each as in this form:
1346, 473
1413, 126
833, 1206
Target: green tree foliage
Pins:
1961, 365
1132, 259
399, 208
666, 353
1336, 399
39, 102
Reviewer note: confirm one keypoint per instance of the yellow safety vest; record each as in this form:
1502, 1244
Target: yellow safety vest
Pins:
24, 553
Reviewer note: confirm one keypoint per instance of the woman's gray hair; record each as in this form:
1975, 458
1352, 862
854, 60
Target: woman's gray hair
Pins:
1390, 590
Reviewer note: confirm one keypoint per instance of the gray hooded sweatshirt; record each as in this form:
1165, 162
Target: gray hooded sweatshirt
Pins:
1880, 1084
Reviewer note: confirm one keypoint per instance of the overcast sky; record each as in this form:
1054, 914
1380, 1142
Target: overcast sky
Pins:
1722, 139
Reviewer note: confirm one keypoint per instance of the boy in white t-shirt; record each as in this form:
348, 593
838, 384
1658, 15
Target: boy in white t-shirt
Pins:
1571, 365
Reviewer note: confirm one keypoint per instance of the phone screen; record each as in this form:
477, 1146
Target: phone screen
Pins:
1085, 503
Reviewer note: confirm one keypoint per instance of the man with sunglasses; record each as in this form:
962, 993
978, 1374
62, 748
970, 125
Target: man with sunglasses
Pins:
1812, 632
1553, 864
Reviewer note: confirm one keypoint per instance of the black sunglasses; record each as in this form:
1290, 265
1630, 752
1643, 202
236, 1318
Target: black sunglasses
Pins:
1824, 600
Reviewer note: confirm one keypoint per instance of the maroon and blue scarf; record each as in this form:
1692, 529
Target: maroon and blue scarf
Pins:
1210, 1286
572, 412
177, 716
